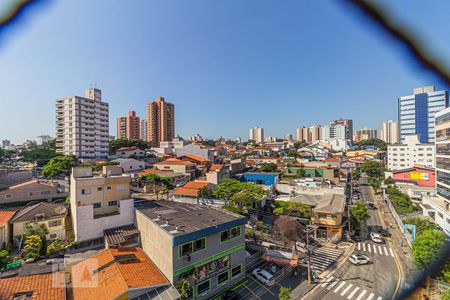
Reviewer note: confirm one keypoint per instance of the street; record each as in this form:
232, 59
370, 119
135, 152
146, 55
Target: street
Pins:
375, 281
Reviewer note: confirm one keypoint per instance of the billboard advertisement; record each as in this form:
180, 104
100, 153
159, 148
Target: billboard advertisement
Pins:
419, 176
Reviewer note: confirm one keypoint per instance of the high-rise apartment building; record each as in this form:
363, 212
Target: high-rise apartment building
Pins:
82, 125
315, 133
365, 134
128, 127
410, 153
308, 134
160, 121
389, 132
41, 139
256, 134
341, 129
143, 129
416, 112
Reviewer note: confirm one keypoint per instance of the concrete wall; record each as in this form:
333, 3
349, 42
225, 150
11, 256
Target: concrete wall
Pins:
59, 231
301, 190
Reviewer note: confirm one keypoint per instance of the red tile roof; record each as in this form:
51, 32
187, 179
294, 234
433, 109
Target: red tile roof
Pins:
28, 183
103, 277
43, 286
216, 167
195, 158
6, 215
191, 188
132, 148
174, 162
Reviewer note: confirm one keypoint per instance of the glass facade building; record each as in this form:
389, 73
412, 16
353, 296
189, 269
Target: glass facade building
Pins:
416, 113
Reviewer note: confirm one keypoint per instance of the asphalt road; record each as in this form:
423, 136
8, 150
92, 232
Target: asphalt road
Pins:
367, 196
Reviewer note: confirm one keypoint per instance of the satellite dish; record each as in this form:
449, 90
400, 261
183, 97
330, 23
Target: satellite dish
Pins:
60, 210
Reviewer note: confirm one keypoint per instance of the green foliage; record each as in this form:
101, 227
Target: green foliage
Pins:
402, 203
445, 272
99, 167
60, 166
356, 174
292, 153
380, 144
56, 245
282, 207
359, 214
184, 287
268, 167
373, 168
421, 224
301, 172
41, 154
445, 295
285, 293
389, 181
119, 143
32, 246
4, 257
234, 209
375, 182
156, 182
428, 248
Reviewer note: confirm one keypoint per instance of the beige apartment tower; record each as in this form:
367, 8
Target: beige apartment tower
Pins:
82, 125
160, 121
128, 127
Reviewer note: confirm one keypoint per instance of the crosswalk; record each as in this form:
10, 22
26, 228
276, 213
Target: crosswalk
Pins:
375, 249
348, 290
322, 258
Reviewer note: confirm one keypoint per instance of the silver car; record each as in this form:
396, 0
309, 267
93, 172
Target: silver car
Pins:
359, 259
264, 277
376, 237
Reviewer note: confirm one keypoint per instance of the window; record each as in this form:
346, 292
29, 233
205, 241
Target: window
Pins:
222, 277
112, 203
8, 196
45, 193
108, 188
440, 215
85, 191
54, 223
229, 234
99, 189
203, 288
236, 271
53, 236
98, 205
192, 247
121, 187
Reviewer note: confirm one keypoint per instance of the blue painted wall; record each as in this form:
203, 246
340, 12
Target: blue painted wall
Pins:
260, 178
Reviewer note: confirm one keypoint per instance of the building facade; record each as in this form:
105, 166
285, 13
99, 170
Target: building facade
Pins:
416, 112
143, 129
82, 125
389, 132
256, 134
365, 134
410, 153
160, 121
128, 127
43, 139
341, 129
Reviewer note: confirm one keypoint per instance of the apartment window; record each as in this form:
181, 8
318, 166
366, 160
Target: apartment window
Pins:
112, 203
440, 215
30, 194
8, 196
236, 271
45, 193
53, 236
192, 247
229, 234
204, 287
99, 189
98, 205
85, 191
222, 277
54, 223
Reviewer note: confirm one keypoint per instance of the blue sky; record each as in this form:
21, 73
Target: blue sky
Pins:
227, 65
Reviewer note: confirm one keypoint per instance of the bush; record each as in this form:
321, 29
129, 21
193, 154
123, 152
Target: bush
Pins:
421, 224
402, 203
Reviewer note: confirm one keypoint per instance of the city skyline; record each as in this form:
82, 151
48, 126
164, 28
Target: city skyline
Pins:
238, 65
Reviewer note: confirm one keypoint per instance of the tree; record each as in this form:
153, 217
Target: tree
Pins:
155, 182
184, 287
445, 295
401, 202
204, 192
445, 272
389, 181
356, 174
421, 224
359, 214
268, 167
428, 248
60, 166
227, 188
39, 154
373, 168
4, 257
287, 228
119, 143
380, 144
98, 167
293, 153
32, 247
375, 183
285, 293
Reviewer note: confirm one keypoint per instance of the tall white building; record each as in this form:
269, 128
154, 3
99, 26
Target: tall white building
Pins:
416, 112
82, 125
438, 207
389, 132
143, 129
410, 153
43, 139
341, 129
256, 134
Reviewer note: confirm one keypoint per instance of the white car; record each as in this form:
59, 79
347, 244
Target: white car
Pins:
359, 259
376, 237
264, 277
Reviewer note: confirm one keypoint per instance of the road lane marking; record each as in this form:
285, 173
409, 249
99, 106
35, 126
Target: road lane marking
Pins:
328, 280
353, 293
361, 295
392, 253
252, 292
359, 246
381, 251
368, 248
263, 286
385, 251
370, 296
375, 249
333, 284
364, 247
346, 289
340, 286
379, 298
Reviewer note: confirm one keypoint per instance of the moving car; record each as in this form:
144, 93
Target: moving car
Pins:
359, 259
376, 237
264, 277
385, 232
371, 205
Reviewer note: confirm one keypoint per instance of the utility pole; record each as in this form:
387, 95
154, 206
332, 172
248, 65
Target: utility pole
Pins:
309, 253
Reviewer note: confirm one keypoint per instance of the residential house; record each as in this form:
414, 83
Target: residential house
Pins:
193, 149
327, 216
99, 202
130, 165
191, 191
266, 179
5, 227
37, 287
127, 152
196, 242
177, 165
217, 173
201, 164
119, 273
32, 190
51, 215
175, 178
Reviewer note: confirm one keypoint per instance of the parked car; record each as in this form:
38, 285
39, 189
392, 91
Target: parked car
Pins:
376, 237
384, 232
371, 205
359, 259
264, 277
